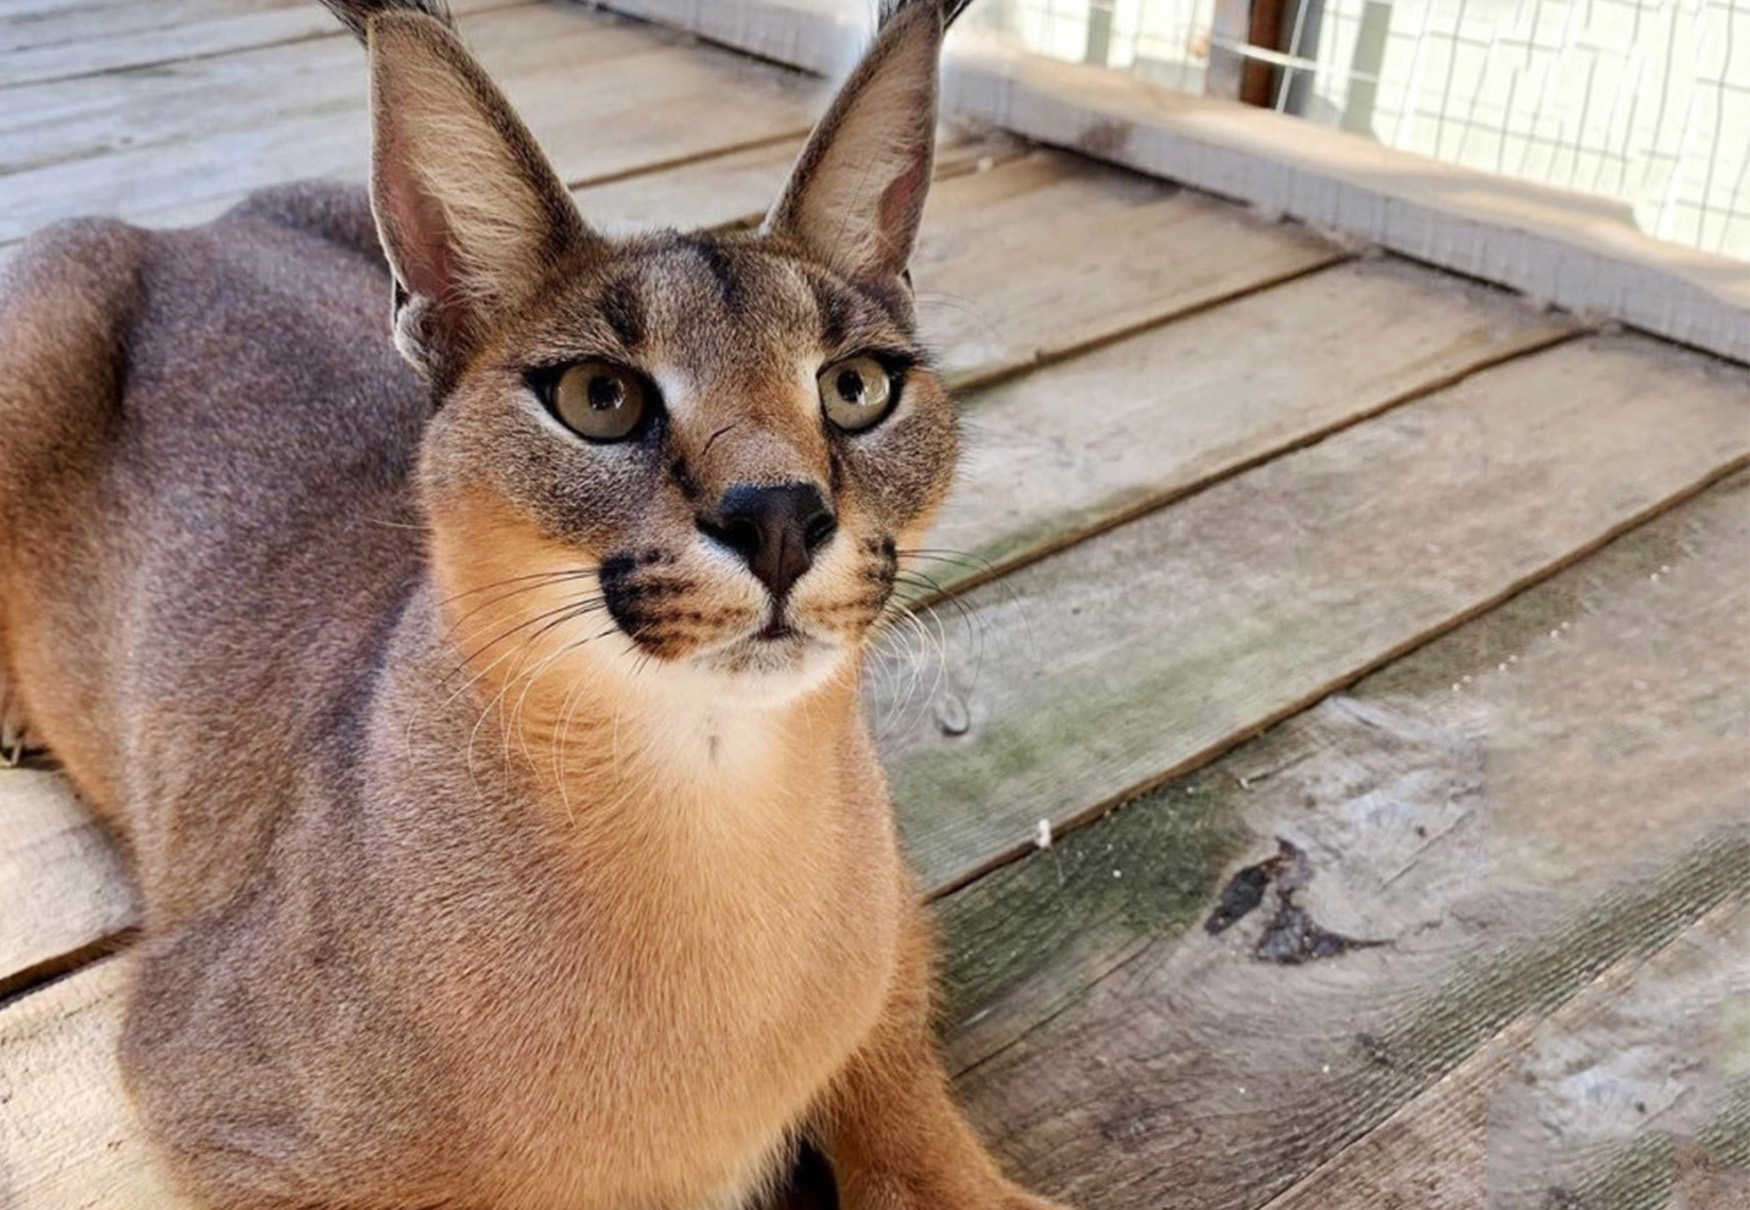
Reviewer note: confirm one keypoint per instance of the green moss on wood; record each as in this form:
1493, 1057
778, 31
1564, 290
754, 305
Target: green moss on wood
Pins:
1147, 870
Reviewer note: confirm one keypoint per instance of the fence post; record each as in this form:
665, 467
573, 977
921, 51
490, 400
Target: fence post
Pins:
1231, 74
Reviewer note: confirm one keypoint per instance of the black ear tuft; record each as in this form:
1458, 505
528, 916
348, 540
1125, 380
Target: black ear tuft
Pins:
356, 15
950, 9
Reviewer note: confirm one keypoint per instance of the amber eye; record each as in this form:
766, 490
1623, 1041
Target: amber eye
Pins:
600, 401
857, 393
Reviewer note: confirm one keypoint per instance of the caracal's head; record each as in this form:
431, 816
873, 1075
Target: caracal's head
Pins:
697, 457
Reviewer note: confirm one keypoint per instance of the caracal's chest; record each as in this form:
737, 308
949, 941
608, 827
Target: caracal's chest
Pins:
681, 996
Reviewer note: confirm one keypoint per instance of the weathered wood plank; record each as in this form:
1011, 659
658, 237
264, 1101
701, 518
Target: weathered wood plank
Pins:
1634, 1089
631, 110
1572, 804
113, 39
724, 190
25, 24
1166, 411
1160, 1089
68, 1138
738, 188
1052, 253
62, 889
43, 124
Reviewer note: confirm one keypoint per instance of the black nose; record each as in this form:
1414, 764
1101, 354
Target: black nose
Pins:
776, 529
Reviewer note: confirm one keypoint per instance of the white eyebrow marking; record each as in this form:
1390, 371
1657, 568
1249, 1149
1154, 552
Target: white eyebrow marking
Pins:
680, 390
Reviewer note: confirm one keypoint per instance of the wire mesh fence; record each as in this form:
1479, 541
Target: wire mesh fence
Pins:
1644, 101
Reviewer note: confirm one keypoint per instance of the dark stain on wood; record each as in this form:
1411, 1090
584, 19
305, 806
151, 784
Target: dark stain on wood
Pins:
1239, 898
1292, 936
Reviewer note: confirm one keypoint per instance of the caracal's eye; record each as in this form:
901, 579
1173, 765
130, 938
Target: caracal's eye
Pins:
600, 401
857, 393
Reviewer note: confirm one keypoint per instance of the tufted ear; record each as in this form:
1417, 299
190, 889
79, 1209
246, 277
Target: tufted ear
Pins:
856, 195
471, 215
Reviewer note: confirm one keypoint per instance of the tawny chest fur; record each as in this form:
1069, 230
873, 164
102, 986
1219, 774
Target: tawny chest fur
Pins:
698, 937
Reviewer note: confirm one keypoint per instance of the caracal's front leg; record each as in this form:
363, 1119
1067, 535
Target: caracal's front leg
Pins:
890, 1127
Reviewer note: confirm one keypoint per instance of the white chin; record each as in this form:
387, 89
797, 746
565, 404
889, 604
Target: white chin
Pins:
771, 672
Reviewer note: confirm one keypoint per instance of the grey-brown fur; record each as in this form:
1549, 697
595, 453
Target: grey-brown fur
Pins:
429, 923
356, 15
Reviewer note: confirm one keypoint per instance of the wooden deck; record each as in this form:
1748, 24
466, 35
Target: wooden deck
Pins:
1267, 537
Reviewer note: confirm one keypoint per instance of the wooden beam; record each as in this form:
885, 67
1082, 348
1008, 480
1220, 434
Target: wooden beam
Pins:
1580, 253
1258, 83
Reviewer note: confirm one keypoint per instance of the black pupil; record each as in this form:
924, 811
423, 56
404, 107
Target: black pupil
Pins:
606, 393
852, 388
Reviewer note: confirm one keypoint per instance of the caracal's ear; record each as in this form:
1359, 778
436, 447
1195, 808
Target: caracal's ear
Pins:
472, 217
856, 195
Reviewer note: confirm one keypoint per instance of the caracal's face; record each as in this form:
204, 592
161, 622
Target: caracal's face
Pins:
701, 456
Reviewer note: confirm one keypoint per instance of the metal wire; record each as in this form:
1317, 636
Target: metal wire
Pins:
1643, 101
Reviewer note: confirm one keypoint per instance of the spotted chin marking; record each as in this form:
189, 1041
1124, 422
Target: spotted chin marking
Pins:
851, 617
881, 573
754, 656
643, 601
